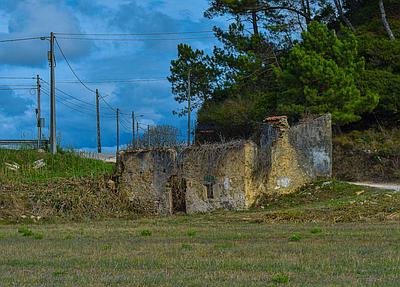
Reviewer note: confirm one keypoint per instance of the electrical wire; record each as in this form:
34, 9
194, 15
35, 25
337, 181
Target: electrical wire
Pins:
23, 39
136, 34
113, 81
136, 39
18, 78
68, 95
13, 89
21, 85
76, 107
70, 67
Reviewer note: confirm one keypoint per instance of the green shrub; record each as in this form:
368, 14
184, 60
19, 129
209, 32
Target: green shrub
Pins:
25, 231
280, 278
145, 232
295, 237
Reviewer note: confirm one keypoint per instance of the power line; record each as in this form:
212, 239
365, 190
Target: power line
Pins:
136, 39
12, 89
68, 95
113, 81
136, 34
18, 85
76, 107
17, 78
23, 39
72, 70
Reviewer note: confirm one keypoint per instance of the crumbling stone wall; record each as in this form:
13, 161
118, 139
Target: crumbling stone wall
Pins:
144, 176
312, 141
234, 175
294, 155
218, 176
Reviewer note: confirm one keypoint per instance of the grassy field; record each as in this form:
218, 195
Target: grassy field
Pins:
66, 225
222, 249
65, 164
327, 234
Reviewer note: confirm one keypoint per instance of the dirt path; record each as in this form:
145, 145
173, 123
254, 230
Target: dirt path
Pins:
386, 186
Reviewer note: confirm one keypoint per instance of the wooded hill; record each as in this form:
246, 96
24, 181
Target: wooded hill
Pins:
297, 58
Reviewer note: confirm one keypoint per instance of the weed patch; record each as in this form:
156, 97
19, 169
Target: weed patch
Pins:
145, 232
280, 278
316, 230
295, 237
25, 231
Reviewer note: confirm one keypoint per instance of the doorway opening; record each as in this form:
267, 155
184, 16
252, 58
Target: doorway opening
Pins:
178, 194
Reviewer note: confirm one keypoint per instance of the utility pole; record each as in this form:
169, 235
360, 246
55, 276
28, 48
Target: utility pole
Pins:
133, 129
53, 139
148, 136
98, 121
39, 132
138, 135
117, 131
189, 107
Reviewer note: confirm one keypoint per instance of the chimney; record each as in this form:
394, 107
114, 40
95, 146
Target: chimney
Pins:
278, 122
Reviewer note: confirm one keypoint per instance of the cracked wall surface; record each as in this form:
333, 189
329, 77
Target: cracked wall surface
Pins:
234, 175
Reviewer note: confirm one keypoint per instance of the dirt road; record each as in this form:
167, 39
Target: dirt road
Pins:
386, 186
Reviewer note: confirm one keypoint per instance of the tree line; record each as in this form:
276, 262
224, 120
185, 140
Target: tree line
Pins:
297, 58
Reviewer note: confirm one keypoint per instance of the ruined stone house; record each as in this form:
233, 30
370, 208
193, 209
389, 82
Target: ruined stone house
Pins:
234, 175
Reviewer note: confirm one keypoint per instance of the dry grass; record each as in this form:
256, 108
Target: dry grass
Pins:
63, 199
219, 251
367, 156
327, 234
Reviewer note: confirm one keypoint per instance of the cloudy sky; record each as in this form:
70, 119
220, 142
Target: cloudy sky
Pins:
94, 61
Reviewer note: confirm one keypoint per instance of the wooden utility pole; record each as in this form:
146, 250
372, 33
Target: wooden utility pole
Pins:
53, 136
189, 109
39, 125
98, 122
148, 136
133, 129
117, 131
137, 134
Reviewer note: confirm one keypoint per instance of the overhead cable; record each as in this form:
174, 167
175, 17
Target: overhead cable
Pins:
135, 39
136, 34
72, 70
23, 39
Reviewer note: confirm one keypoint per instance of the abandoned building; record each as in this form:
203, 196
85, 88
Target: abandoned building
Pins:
235, 175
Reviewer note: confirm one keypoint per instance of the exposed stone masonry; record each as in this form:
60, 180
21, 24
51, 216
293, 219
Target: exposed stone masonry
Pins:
234, 175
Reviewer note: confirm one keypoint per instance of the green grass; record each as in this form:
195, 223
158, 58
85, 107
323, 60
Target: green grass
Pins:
327, 234
227, 250
62, 165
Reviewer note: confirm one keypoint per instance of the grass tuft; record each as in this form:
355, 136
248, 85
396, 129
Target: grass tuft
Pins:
25, 231
316, 230
280, 278
295, 237
191, 233
145, 232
